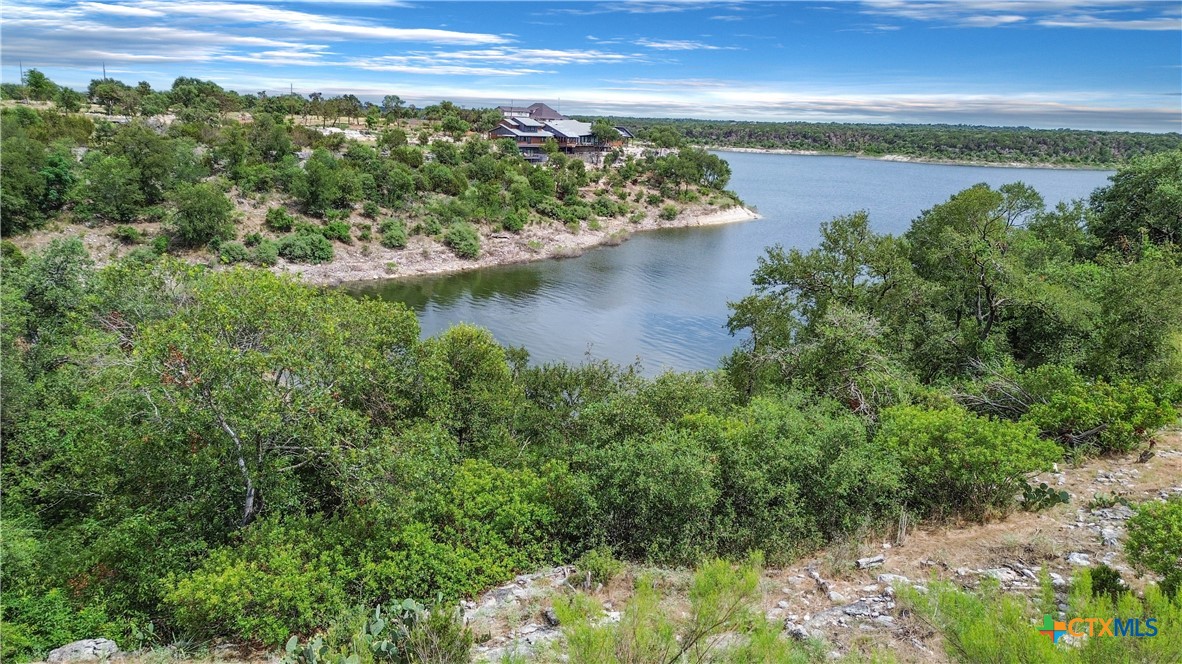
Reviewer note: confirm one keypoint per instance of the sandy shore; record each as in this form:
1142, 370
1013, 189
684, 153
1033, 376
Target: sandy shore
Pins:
916, 160
424, 256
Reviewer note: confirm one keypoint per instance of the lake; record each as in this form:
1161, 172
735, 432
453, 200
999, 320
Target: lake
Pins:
661, 298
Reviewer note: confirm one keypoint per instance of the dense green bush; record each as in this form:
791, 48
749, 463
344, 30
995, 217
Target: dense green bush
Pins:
203, 214
305, 248
232, 252
393, 233
955, 462
266, 253
278, 219
1154, 542
1094, 415
337, 230
669, 212
464, 240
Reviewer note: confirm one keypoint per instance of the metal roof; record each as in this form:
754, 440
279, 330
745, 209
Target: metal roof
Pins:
569, 128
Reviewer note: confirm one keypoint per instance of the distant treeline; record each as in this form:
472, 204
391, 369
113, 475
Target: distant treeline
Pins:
952, 142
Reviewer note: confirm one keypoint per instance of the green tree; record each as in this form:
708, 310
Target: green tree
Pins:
203, 213
1145, 195
110, 189
39, 86
69, 100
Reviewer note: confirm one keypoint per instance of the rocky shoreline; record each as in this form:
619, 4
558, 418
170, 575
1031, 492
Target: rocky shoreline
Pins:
424, 256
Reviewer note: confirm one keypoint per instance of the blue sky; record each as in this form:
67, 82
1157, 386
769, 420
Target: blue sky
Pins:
1042, 63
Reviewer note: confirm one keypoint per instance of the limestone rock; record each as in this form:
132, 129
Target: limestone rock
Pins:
86, 650
873, 561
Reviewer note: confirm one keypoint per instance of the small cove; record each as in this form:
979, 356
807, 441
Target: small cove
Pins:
661, 298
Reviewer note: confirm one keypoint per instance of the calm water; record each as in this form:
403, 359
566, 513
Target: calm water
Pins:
661, 297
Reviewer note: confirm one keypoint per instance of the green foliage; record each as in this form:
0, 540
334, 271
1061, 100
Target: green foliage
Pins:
203, 213
1099, 416
338, 230
110, 190
724, 600
278, 219
406, 633
1154, 542
324, 184
305, 248
265, 254
464, 240
393, 233
961, 143
128, 234
990, 625
1041, 497
1107, 581
669, 212
1144, 197
599, 564
956, 462
232, 252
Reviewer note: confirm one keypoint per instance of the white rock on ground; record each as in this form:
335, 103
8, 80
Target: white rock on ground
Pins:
86, 650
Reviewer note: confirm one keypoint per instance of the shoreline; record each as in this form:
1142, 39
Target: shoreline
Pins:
426, 257
906, 159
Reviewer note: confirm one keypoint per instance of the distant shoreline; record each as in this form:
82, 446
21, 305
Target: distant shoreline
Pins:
915, 160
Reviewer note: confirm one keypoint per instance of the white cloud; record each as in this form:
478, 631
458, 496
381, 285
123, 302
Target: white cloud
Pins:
1122, 14
681, 45
118, 10
1087, 21
316, 23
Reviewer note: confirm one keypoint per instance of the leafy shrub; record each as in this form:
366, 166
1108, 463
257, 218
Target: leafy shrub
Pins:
127, 234
252, 239
35, 623
463, 239
513, 221
337, 230
232, 252
958, 462
305, 248
266, 253
1096, 415
203, 214
669, 212
393, 233
988, 625
278, 219
1154, 541
370, 209
1107, 581
277, 581
723, 624
606, 207
256, 177
599, 564
1041, 497
406, 632
160, 244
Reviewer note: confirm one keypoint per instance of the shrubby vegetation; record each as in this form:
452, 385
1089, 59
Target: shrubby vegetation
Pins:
199, 172
991, 625
955, 142
196, 453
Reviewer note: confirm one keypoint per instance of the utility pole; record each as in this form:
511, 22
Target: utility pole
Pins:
21, 64
104, 70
